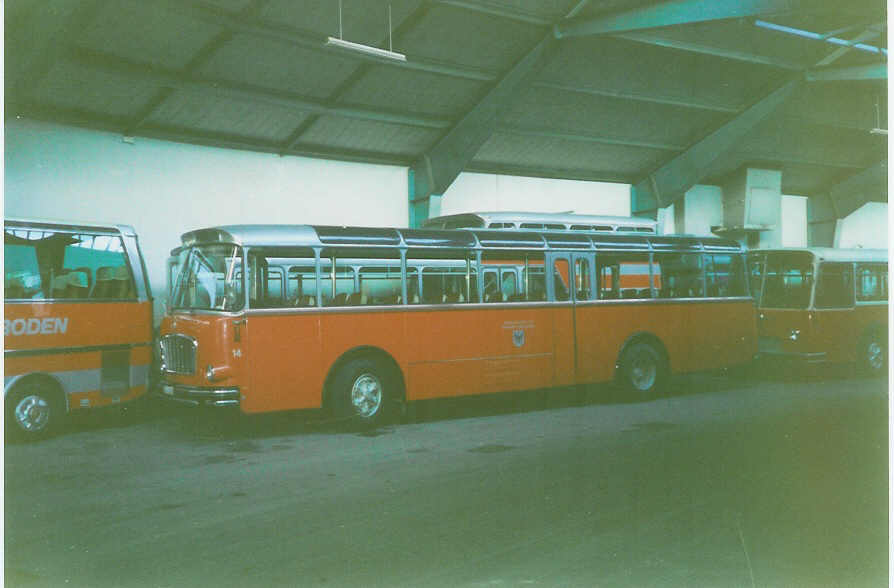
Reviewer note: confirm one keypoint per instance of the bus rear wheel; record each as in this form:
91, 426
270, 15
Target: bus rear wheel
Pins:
33, 411
642, 369
364, 391
872, 355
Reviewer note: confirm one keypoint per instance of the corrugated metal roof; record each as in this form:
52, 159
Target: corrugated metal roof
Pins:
257, 74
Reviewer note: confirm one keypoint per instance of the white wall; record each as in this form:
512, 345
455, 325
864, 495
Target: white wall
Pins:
490, 192
164, 189
866, 227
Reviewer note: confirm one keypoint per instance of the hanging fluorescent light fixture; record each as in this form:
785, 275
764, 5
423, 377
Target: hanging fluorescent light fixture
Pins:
350, 46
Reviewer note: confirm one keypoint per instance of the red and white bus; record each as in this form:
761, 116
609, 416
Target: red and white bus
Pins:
359, 320
822, 304
77, 327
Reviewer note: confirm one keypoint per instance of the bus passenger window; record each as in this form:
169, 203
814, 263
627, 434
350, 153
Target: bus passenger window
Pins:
756, 265
380, 285
560, 280
582, 279
535, 281
447, 277
835, 286
301, 286
681, 275
872, 282
725, 275
624, 275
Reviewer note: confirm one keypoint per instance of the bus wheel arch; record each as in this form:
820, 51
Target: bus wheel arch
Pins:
35, 404
872, 350
359, 369
643, 364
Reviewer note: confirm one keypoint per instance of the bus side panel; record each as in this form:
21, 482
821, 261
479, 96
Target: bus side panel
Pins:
838, 332
720, 334
48, 325
285, 366
80, 375
775, 327
51, 338
478, 350
603, 329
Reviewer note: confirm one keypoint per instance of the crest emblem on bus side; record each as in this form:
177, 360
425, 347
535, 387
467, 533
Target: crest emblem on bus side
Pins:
518, 337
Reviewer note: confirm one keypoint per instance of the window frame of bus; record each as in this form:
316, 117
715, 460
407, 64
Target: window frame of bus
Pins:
49, 231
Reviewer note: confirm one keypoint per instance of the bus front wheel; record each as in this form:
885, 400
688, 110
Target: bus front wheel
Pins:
33, 411
872, 355
642, 369
363, 391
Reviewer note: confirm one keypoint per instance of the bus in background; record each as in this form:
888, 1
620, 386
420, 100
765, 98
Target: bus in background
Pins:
359, 320
822, 304
543, 221
77, 327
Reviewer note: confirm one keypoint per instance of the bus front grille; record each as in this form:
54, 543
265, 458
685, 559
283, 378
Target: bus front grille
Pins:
178, 354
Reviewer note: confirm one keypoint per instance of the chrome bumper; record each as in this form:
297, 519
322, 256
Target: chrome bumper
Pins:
194, 396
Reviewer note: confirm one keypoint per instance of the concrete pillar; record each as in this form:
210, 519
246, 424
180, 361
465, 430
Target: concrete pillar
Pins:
699, 210
823, 224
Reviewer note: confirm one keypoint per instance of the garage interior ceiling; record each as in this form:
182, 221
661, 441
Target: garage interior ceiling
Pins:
661, 95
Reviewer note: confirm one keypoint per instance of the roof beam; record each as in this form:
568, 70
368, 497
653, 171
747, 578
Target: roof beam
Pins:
674, 12
436, 169
668, 100
204, 86
495, 9
852, 193
587, 138
671, 180
854, 73
650, 38
260, 30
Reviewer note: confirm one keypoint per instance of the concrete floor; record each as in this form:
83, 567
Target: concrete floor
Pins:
777, 481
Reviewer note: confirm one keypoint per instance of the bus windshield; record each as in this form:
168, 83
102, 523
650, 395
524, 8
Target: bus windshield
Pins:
210, 279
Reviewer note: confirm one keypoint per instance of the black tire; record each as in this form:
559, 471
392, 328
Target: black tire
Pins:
364, 391
642, 370
34, 410
872, 353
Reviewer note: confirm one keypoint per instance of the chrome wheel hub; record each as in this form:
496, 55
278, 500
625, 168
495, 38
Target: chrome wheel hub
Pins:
366, 395
643, 371
874, 356
32, 413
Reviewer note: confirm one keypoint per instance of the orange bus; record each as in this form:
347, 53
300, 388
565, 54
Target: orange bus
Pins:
360, 320
77, 327
822, 304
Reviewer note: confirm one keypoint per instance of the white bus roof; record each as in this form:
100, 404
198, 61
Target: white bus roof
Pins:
333, 236
568, 219
834, 254
71, 224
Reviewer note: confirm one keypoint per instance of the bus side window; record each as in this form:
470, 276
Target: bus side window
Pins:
560, 279
681, 275
380, 285
835, 285
301, 286
872, 282
22, 279
623, 275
